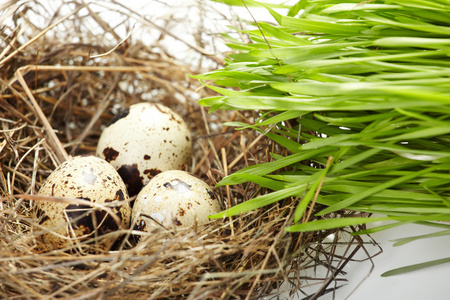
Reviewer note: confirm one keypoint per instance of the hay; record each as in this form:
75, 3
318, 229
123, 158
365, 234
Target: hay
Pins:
60, 85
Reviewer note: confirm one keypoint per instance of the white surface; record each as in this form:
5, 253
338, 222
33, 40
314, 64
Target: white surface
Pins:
431, 283
363, 276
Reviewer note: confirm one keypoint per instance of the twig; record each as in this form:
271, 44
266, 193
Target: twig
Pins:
225, 169
101, 107
255, 141
166, 32
35, 38
115, 47
55, 143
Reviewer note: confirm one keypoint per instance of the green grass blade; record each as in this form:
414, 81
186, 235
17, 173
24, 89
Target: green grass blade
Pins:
368, 83
331, 223
266, 168
310, 194
416, 267
402, 241
260, 201
355, 198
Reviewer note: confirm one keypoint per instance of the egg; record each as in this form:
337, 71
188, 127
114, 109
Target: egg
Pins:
88, 178
174, 198
143, 141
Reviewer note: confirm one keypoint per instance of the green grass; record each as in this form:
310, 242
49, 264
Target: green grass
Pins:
359, 89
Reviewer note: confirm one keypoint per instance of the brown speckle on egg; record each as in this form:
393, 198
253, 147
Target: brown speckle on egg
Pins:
181, 211
175, 198
119, 195
81, 216
41, 216
211, 194
88, 178
152, 172
110, 154
123, 114
132, 178
140, 136
140, 226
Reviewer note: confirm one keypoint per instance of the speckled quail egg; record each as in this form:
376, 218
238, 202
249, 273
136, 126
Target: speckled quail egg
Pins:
174, 198
143, 141
89, 178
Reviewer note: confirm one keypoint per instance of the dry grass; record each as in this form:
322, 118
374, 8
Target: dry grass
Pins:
55, 97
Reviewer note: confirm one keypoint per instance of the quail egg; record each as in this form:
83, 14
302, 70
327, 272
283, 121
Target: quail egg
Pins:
143, 141
89, 178
174, 198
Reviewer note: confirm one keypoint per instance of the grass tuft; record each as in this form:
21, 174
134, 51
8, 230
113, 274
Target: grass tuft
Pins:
362, 85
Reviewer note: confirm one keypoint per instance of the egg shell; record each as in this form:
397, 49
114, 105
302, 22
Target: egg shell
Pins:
174, 198
145, 140
88, 178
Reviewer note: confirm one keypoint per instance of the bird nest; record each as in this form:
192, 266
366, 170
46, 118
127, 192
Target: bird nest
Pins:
65, 73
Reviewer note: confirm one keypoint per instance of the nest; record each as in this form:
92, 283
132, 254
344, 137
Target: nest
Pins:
61, 83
